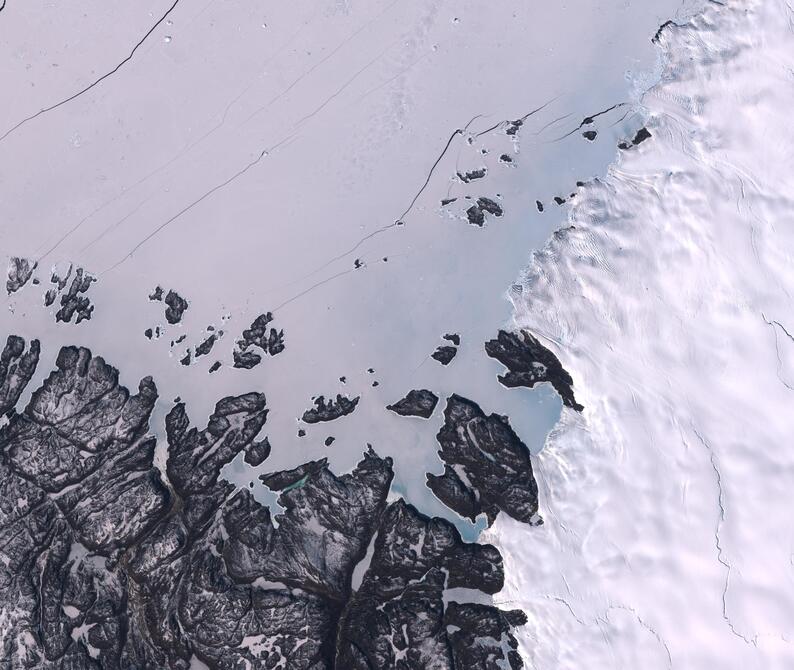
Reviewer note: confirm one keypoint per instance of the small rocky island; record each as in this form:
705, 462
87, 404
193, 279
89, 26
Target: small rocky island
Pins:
529, 363
417, 402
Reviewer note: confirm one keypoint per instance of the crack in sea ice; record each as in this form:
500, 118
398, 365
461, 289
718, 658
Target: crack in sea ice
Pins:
588, 120
772, 324
96, 81
187, 208
645, 625
718, 539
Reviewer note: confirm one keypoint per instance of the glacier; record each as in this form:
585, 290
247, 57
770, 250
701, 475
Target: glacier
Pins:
668, 299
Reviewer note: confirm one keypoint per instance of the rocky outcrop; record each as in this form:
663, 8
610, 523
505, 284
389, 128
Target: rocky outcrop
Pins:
16, 368
471, 175
74, 302
20, 270
259, 335
444, 354
196, 457
419, 402
478, 635
107, 562
397, 618
176, 306
83, 439
257, 452
640, 136
329, 410
337, 514
529, 363
487, 467
207, 344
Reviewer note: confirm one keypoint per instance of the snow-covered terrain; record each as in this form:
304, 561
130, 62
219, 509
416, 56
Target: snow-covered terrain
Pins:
309, 214
256, 157
669, 540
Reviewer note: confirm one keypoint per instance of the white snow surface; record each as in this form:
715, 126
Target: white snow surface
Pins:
251, 156
668, 537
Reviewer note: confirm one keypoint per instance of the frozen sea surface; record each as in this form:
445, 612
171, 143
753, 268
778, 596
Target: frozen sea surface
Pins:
257, 158
669, 540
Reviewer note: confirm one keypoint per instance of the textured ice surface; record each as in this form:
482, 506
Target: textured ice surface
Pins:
256, 158
325, 162
669, 538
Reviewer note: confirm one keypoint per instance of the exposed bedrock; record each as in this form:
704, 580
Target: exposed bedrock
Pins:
397, 618
444, 354
478, 635
258, 334
106, 563
176, 306
257, 452
82, 439
16, 368
329, 410
487, 467
338, 514
529, 363
74, 303
417, 402
20, 270
196, 457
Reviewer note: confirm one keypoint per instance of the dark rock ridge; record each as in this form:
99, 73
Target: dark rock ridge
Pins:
667, 24
16, 368
329, 410
74, 302
490, 206
269, 340
476, 213
487, 467
530, 363
476, 633
107, 562
206, 346
418, 402
257, 452
176, 307
471, 175
444, 354
341, 514
60, 280
513, 126
397, 618
20, 270
641, 135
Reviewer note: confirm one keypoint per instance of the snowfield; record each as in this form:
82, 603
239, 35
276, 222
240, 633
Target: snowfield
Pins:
370, 177
255, 158
668, 539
